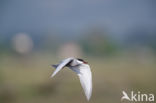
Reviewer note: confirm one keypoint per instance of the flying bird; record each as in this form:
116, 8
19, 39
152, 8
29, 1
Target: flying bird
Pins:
82, 69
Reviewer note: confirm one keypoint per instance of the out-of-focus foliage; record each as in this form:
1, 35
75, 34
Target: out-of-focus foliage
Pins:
27, 79
98, 43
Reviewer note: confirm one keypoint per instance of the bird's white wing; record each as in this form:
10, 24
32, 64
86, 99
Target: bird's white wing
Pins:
85, 77
61, 65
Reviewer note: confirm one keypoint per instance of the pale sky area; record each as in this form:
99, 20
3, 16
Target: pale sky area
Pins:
40, 16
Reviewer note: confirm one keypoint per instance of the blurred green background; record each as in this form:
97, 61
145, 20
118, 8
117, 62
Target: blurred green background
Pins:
116, 38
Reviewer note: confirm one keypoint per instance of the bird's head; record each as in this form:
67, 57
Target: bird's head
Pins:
81, 61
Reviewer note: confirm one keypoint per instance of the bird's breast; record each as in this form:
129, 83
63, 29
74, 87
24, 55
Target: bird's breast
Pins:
73, 63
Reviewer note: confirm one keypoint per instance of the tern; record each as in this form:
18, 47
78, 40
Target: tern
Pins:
82, 69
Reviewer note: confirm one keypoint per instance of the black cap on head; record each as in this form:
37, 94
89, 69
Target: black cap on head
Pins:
82, 60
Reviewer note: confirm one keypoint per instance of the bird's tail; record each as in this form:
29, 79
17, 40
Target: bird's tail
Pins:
55, 66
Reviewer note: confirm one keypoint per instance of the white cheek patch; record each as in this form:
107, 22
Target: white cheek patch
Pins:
79, 62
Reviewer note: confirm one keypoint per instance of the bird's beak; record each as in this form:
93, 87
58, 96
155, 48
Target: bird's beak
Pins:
85, 62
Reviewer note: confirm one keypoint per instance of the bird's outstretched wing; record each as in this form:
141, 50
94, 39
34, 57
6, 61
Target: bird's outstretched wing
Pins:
85, 77
61, 65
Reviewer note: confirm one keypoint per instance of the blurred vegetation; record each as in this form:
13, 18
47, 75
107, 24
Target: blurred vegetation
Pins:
141, 37
98, 43
27, 79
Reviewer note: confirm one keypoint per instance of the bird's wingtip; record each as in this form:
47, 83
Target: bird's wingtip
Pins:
88, 98
52, 75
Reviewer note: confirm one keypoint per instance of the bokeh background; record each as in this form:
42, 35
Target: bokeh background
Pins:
116, 37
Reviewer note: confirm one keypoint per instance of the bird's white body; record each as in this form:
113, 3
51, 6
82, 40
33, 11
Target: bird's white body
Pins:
82, 69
